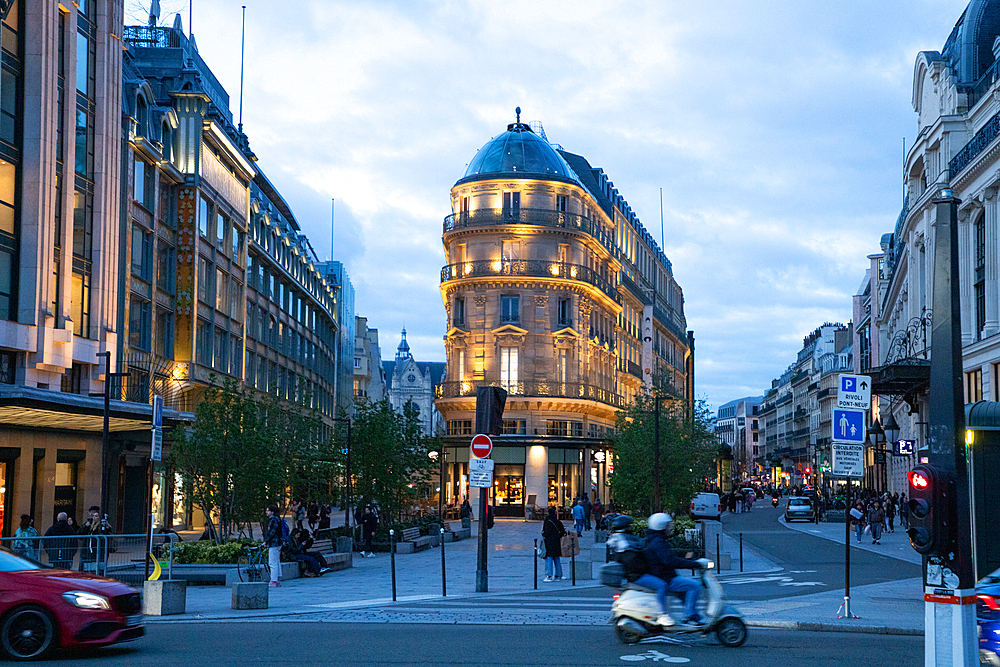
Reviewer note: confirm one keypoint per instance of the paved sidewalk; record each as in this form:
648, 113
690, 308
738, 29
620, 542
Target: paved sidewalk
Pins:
894, 545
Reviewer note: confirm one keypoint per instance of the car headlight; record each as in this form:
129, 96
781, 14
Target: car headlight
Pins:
85, 600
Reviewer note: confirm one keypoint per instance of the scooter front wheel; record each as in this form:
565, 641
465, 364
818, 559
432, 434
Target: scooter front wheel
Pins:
731, 631
625, 634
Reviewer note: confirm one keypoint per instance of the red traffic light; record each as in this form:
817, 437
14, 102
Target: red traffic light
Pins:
808, 471
918, 480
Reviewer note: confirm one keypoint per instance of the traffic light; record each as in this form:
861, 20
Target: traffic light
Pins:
931, 499
808, 471
490, 402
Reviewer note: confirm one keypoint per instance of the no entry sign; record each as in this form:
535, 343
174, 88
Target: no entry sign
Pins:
481, 446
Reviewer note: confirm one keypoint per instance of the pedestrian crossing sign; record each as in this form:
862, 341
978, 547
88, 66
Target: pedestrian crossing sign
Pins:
849, 426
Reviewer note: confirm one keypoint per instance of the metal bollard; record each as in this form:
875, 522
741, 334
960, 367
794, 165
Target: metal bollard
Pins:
741, 552
718, 553
392, 560
535, 559
444, 583
572, 564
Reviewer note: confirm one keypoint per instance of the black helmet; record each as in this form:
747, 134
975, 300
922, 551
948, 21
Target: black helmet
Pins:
621, 523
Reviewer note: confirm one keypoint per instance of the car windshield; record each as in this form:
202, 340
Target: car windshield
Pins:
991, 578
10, 562
798, 501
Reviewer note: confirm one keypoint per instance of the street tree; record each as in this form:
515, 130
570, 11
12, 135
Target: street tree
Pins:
687, 454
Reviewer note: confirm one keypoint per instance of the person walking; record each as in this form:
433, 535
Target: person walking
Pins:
27, 546
904, 512
273, 542
598, 512
587, 509
858, 518
313, 512
60, 551
890, 514
552, 533
369, 524
876, 517
578, 524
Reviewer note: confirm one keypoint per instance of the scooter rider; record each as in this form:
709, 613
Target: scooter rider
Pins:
662, 577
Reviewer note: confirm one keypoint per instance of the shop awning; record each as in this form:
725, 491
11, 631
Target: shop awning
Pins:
906, 376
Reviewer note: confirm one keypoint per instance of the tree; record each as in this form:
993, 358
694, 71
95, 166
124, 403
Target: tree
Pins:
241, 454
687, 452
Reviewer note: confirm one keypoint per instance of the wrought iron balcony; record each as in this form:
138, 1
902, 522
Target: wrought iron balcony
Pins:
530, 216
540, 388
529, 268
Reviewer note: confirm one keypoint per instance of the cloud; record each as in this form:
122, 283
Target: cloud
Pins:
773, 128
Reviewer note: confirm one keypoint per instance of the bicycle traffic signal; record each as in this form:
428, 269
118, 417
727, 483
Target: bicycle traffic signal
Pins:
930, 505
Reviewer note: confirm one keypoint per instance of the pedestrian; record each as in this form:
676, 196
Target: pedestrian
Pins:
299, 513
313, 512
858, 519
816, 498
578, 524
369, 523
27, 546
552, 533
732, 503
324, 516
94, 549
890, 514
60, 551
876, 517
904, 512
588, 507
598, 512
273, 542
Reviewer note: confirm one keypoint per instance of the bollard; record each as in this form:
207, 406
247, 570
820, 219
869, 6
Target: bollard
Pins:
536, 563
741, 552
392, 561
572, 564
444, 583
718, 553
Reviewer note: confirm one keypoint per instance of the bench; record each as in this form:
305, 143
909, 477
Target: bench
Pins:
334, 559
410, 541
454, 535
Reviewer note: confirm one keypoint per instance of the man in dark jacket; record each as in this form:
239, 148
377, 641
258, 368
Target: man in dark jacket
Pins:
60, 551
369, 523
663, 564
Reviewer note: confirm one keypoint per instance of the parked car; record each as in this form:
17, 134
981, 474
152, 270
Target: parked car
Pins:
706, 506
43, 609
988, 618
798, 507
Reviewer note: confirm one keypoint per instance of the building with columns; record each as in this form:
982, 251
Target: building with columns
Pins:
955, 97
555, 292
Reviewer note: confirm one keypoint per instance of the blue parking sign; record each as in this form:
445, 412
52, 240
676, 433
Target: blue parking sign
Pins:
848, 383
849, 426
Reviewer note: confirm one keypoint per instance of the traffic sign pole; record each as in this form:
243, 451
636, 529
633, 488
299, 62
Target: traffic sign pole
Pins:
490, 403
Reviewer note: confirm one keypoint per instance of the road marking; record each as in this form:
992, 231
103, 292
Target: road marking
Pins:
778, 579
655, 656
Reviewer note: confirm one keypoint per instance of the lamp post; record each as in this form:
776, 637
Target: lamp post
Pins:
873, 434
347, 472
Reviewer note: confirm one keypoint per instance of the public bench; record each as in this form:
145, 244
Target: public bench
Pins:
453, 535
328, 549
410, 540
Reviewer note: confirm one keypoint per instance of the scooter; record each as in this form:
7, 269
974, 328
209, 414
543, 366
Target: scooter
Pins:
635, 612
774, 501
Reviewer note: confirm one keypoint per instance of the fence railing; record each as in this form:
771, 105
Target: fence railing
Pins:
534, 268
120, 557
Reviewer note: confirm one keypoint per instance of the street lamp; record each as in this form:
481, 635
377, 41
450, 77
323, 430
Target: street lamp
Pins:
873, 434
891, 429
347, 472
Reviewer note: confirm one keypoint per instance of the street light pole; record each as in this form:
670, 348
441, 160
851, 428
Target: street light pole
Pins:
105, 431
657, 506
347, 472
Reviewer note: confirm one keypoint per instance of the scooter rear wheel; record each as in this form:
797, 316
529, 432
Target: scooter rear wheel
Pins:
732, 632
626, 636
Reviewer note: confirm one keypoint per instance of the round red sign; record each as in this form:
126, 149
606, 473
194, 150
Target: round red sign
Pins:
482, 446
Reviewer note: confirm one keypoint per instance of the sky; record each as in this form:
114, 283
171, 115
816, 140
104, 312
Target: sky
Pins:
774, 128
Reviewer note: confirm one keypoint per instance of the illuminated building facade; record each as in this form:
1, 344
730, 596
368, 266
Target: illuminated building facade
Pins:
555, 292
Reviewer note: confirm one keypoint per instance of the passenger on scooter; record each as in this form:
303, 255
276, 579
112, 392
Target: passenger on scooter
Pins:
662, 576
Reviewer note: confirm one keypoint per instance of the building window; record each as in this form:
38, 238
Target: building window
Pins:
979, 286
144, 184
221, 290
557, 427
509, 310
512, 204
203, 343
459, 427
461, 365
510, 250
204, 215
563, 312
561, 369
514, 427
561, 203
458, 316
165, 334
235, 299
974, 386
142, 251
220, 350
221, 227
138, 323
165, 268
203, 278
235, 356
508, 369
80, 300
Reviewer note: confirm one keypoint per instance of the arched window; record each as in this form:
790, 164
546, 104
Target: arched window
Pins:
141, 117
167, 139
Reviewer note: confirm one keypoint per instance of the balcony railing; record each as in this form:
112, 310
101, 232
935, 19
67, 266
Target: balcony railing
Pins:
530, 216
536, 388
529, 268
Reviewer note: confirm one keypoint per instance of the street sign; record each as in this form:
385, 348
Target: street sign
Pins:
880, 458
481, 465
157, 411
849, 426
482, 479
156, 452
481, 446
854, 392
848, 460
905, 447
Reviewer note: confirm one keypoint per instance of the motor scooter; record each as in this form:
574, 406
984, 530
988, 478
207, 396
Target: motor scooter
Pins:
774, 501
635, 611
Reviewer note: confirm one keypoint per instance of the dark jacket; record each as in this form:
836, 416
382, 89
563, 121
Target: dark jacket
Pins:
660, 557
552, 532
272, 536
369, 522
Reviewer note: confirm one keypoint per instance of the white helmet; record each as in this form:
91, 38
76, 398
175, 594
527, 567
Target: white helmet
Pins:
659, 521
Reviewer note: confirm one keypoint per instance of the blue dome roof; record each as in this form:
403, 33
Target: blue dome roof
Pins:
519, 151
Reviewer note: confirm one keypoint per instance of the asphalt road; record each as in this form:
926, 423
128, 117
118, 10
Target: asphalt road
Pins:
811, 564
304, 644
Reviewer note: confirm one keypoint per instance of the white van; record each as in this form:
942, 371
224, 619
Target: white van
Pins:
706, 506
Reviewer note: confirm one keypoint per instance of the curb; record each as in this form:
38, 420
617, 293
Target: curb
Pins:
836, 627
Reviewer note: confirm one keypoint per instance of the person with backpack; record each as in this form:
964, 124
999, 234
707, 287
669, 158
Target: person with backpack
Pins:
662, 565
552, 533
275, 535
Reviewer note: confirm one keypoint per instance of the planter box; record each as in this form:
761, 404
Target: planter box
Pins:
163, 598
345, 545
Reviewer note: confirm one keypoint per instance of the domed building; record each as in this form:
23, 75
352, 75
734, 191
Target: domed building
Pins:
554, 291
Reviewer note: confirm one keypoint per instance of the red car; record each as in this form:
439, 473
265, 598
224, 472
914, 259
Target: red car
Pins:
42, 609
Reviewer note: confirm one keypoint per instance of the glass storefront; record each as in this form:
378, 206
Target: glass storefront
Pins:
508, 484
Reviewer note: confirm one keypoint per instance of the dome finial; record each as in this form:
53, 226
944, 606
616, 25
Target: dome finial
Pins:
518, 112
